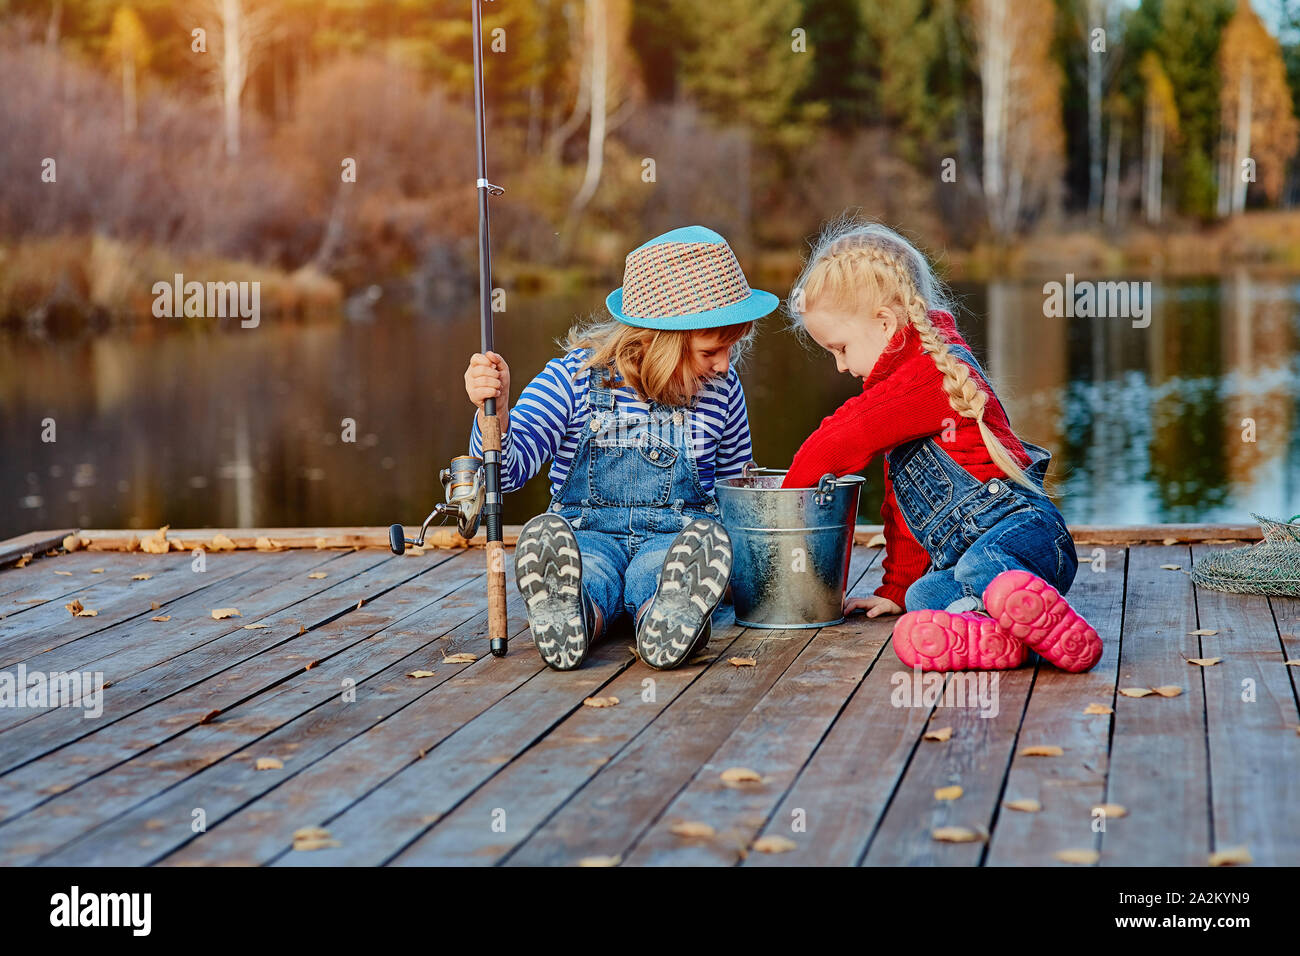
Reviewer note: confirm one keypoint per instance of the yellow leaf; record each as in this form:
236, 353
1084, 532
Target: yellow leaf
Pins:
774, 844
1042, 750
1135, 691
1233, 856
422, 674
141, 577
161, 617
25, 559
692, 828
72, 543
1204, 661
64, 573
740, 775
942, 734
876, 541
316, 574
955, 835
1077, 856
1097, 709
1295, 663
221, 543
600, 861
1171, 567
96, 570
459, 658
948, 793
87, 613
742, 661
304, 846
600, 701
269, 763
77, 610
1168, 690
311, 833
1026, 805
1111, 811
1204, 632
255, 627
1169, 541
221, 613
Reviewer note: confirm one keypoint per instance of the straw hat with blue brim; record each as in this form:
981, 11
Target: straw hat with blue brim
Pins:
686, 279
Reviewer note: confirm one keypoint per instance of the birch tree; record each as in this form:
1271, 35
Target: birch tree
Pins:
128, 52
237, 32
1159, 121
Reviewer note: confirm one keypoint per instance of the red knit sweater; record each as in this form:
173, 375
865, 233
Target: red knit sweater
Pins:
902, 399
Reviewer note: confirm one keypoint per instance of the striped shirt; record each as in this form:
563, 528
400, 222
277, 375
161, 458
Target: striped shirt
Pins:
551, 415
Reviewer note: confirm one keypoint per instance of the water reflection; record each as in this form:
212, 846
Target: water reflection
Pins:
246, 427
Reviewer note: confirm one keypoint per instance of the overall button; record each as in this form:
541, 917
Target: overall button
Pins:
678, 418
711, 507
655, 455
994, 487
595, 425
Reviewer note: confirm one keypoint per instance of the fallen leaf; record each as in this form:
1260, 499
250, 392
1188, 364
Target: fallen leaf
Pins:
742, 661
1111, 811
161, 618
96, 570
948, 793
313, 838
1042, 750
740, 775
1025, 804
221, 543
1171, 567
269, 763
600, 701
25, 560
1204, 632
1077, 856
360, 601
154, 605
1233, 856
1135, 691
254, 627
774, 844
692, 828
72, 543
316, 574
876, 541
942, 734
311, 833
157, 542
459, 658
1169, 541
77, 610
210, 716
422, 674
600, 861
67, 574
141, 577
414, 551
1204, 661
221, 613
1168, 690
1295, 663
955, 835
1097, 709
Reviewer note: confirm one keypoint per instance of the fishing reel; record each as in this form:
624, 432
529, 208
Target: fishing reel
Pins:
462, 484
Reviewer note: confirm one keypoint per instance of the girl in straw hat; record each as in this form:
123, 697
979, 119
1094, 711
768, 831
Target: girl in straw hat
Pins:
639, 418
976, 552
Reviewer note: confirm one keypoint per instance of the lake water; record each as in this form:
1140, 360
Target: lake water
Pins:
242, 427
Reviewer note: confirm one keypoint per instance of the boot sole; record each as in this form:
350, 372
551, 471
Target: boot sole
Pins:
548, 573
939, 641
692, 580
1034, 611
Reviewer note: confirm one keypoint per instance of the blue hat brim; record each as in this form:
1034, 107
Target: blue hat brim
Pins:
756, 305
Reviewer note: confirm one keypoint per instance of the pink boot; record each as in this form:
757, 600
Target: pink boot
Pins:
940, 641
1031, 609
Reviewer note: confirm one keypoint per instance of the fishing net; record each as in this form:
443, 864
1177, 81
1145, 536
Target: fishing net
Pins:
1270, 567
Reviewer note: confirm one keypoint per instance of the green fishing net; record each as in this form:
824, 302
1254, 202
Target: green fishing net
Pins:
1270, 567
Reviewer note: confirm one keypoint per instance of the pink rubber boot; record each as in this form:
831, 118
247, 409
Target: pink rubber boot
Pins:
941, 641
1029, 608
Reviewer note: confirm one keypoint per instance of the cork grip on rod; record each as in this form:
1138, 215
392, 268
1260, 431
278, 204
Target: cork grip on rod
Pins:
496, 552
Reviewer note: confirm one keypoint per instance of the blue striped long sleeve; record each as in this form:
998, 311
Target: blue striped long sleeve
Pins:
537, 425
735, 447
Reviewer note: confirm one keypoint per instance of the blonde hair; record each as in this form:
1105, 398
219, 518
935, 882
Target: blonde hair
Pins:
853, 261
654, 362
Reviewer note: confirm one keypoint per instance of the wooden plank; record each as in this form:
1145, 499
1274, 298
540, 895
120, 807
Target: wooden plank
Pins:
1252, 719
42, 580
52, 626
1158, 768
35, 542
1286, 612
138, 673
1067, 787
775, 740
162, 757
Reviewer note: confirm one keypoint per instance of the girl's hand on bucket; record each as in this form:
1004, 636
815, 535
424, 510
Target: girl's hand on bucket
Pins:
874, 606
488, 376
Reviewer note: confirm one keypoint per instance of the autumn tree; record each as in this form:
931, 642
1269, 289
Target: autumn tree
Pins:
128, 53
1259, 128
1159, 122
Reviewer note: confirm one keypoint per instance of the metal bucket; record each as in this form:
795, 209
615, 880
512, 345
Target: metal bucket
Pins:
791, 545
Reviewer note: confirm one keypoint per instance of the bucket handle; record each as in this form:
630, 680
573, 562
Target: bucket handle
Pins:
825, 489
749, 469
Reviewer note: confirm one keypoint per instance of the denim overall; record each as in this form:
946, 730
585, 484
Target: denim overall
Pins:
632, 486
975, 530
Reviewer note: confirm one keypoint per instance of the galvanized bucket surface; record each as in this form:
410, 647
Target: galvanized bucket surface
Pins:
791, 545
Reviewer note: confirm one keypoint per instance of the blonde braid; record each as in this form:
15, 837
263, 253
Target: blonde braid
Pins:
841, 261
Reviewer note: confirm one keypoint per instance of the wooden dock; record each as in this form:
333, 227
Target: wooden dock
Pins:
489, 761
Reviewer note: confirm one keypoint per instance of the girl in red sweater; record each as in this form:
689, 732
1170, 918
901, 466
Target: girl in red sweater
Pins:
975, 551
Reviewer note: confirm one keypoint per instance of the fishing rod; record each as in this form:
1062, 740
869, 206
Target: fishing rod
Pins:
473, 488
